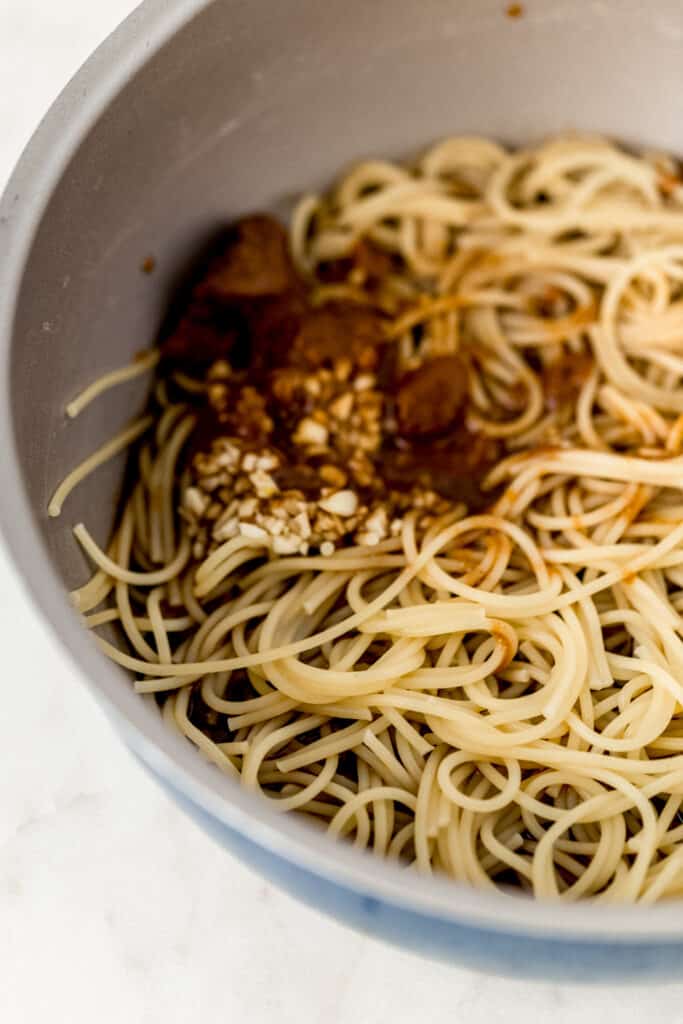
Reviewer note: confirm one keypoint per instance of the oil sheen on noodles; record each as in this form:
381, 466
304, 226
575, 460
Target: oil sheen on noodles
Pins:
507, 686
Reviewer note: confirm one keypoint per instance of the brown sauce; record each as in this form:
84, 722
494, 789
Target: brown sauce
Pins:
430, 399
563, 379
319, 384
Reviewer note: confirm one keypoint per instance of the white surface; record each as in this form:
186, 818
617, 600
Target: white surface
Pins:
113, 907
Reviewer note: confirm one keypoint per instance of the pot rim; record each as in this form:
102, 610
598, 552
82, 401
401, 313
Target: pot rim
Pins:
22, 206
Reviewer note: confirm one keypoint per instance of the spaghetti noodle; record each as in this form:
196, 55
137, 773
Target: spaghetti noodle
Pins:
485, 684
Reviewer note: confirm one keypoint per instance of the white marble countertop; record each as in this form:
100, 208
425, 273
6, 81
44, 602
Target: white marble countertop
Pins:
113, 906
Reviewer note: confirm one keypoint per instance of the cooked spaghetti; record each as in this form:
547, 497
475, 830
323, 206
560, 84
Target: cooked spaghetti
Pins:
403, 549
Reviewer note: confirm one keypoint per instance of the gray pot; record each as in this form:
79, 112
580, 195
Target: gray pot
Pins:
190, 114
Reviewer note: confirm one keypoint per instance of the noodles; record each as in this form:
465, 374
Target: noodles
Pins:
102, 455
494, 694
143, 364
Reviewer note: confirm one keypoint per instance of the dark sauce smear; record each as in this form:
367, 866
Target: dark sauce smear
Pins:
320, 385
